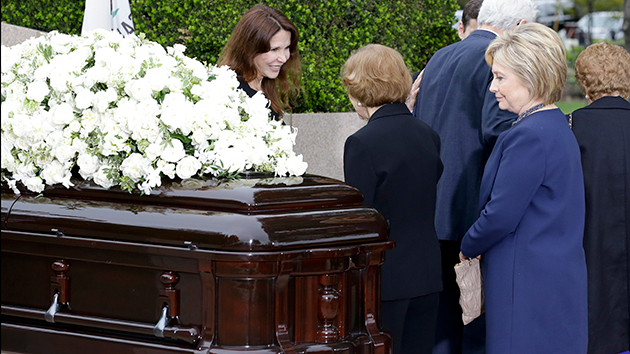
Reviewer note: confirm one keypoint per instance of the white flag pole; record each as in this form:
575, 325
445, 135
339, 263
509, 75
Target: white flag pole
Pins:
97, 15
121, 17
112, 15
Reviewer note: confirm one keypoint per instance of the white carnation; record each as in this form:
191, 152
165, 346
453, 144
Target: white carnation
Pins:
292, 165
167, 168
37, 91
34, 184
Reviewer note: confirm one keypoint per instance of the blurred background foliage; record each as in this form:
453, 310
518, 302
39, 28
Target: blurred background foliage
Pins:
330, 31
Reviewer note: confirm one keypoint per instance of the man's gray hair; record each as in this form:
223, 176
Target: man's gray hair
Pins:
505, 14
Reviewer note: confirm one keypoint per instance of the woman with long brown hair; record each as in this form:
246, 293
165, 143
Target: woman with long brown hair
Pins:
263, 50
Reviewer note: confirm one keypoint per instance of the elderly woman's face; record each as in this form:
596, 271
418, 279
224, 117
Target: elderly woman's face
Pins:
511, 94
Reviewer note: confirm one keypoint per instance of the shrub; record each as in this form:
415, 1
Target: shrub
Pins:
330, 31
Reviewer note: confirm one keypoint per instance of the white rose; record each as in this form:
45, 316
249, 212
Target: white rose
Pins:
187, 167
34, 184
84, 99
100, 177
174, 151
62, 114
135, 166
55, 172
153, 151
156, 78
139, 89
88, 165
64, 152
74, 126
37, 91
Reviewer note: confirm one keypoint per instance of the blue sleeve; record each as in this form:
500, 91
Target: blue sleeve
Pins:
358, 169
519, 175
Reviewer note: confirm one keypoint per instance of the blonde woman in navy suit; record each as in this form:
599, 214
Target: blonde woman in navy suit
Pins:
395, 162
529, 232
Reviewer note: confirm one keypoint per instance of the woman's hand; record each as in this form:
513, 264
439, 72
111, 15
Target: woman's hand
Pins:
463, 258
413, 93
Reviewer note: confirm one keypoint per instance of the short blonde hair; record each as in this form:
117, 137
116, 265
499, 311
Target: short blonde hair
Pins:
376, 75
535, 53
602, 69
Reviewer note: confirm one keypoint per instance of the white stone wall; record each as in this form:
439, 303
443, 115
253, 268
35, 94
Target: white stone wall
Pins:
12, 35
320, 139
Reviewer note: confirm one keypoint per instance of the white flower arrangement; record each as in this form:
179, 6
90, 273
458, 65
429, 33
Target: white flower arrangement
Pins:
123, 111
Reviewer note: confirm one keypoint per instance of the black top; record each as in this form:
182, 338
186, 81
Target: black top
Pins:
251, 92
602, 130
395, 162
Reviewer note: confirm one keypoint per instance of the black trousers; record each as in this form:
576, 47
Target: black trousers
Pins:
411, 322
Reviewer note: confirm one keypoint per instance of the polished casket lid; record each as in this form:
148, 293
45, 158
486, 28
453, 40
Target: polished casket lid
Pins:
255, 213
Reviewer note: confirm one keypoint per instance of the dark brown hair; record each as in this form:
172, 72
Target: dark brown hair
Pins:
251, 37
471, 11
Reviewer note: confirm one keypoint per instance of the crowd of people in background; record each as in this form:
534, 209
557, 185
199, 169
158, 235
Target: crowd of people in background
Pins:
473, 159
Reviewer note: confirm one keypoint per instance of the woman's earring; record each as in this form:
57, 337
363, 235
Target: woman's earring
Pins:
359, 104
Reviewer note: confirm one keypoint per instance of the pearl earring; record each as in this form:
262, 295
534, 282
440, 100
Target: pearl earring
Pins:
359, 104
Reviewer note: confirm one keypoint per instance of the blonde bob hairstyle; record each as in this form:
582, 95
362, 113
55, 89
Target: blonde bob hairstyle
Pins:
376, 75
536, 55
603, 69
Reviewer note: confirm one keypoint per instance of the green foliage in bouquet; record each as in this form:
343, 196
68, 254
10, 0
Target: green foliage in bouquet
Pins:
330, 31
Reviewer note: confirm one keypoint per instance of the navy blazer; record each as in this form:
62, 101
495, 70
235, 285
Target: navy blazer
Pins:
530, 237
454, 99
394, 161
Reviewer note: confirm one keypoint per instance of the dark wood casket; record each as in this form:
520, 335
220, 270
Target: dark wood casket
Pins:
255, 265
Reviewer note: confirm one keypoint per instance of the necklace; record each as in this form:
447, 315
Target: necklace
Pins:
528, 113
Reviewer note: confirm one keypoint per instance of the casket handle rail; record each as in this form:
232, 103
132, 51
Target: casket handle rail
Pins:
59, 289
53, 309
169, 324
158, 330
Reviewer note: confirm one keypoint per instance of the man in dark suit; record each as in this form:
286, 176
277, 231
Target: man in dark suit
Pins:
454, 99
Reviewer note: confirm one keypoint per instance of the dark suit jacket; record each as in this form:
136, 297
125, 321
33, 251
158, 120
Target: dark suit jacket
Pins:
454, 99
394, 161
602, 130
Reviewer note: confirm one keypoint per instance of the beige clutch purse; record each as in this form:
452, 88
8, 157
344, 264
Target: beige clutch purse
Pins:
470, 284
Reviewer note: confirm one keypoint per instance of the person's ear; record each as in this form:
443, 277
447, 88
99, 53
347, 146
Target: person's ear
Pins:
521, 22
461, 30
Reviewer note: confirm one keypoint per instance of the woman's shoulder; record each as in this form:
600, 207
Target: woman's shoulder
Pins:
243, 85
541, 125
